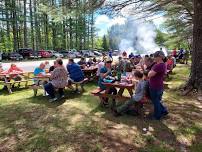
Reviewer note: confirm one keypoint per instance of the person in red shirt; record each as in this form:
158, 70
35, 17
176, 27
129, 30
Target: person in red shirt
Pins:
174, 53
15, 69
170, 63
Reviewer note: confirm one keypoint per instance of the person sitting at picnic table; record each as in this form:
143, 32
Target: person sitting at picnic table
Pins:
131, 55
82, 62
106, 74
1, 72
1, 68
90, 62
40, 71
14, 69
47, 66
103, 56
94, 60
52, 67
132, 64
140, 92
100, 65
58, 80
124, 54
2, 78
149, 63
75, 74
156, 76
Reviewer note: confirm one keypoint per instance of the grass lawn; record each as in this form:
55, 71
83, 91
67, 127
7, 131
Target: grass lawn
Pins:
79, 124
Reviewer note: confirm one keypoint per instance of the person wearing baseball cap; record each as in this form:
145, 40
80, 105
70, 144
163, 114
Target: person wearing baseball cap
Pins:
105, 72
156, 76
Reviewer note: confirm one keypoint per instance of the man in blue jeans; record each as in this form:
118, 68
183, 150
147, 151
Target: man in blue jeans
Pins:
156, 76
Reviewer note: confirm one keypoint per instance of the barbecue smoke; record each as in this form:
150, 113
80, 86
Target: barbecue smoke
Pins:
134, 36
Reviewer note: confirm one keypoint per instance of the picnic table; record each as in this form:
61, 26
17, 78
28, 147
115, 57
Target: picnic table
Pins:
121, 86
46, 78
38, 79
90, 72
7, 77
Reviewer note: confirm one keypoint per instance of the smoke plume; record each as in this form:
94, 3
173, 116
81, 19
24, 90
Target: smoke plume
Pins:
134, 36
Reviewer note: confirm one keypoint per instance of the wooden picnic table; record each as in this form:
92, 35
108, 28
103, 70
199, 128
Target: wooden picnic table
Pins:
8, 76
42, 77
90, 72
121, 86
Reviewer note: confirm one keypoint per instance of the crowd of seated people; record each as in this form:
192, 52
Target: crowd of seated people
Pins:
149, 73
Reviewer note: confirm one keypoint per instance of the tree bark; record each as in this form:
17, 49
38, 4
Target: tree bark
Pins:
32, 25
25, 24
195, 80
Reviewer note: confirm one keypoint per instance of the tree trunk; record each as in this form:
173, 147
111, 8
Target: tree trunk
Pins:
32, 25
70, 33
14, 20
7, 5
37, 29
25, 24
195, 80
46, 31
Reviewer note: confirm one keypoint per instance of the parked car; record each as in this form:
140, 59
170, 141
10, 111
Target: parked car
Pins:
15, 56
71, 55
56, 54
97, 53
87, 53
115, 52
28, 53
5, 56
64, 53
78, 54
45, 54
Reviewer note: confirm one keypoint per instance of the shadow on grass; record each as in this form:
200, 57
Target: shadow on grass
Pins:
183, 117
36, 128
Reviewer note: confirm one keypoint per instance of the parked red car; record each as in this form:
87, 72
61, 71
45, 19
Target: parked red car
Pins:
45, 54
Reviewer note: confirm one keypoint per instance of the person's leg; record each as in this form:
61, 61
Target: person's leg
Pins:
155, 97
61, 92
124, 108
164, 110
113, 91
49, 88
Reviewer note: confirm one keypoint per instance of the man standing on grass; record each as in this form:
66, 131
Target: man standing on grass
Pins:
156, 76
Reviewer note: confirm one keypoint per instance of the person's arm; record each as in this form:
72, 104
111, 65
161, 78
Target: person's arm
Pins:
54, 74
18, 69
151, 73
104, 74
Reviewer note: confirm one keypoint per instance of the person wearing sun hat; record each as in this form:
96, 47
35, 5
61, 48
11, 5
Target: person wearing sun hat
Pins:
105, 72
156, 76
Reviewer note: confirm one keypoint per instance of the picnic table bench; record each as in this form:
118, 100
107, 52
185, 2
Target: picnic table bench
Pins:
46, 77
121, 86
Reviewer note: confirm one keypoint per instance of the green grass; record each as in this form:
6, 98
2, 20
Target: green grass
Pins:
79, 124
